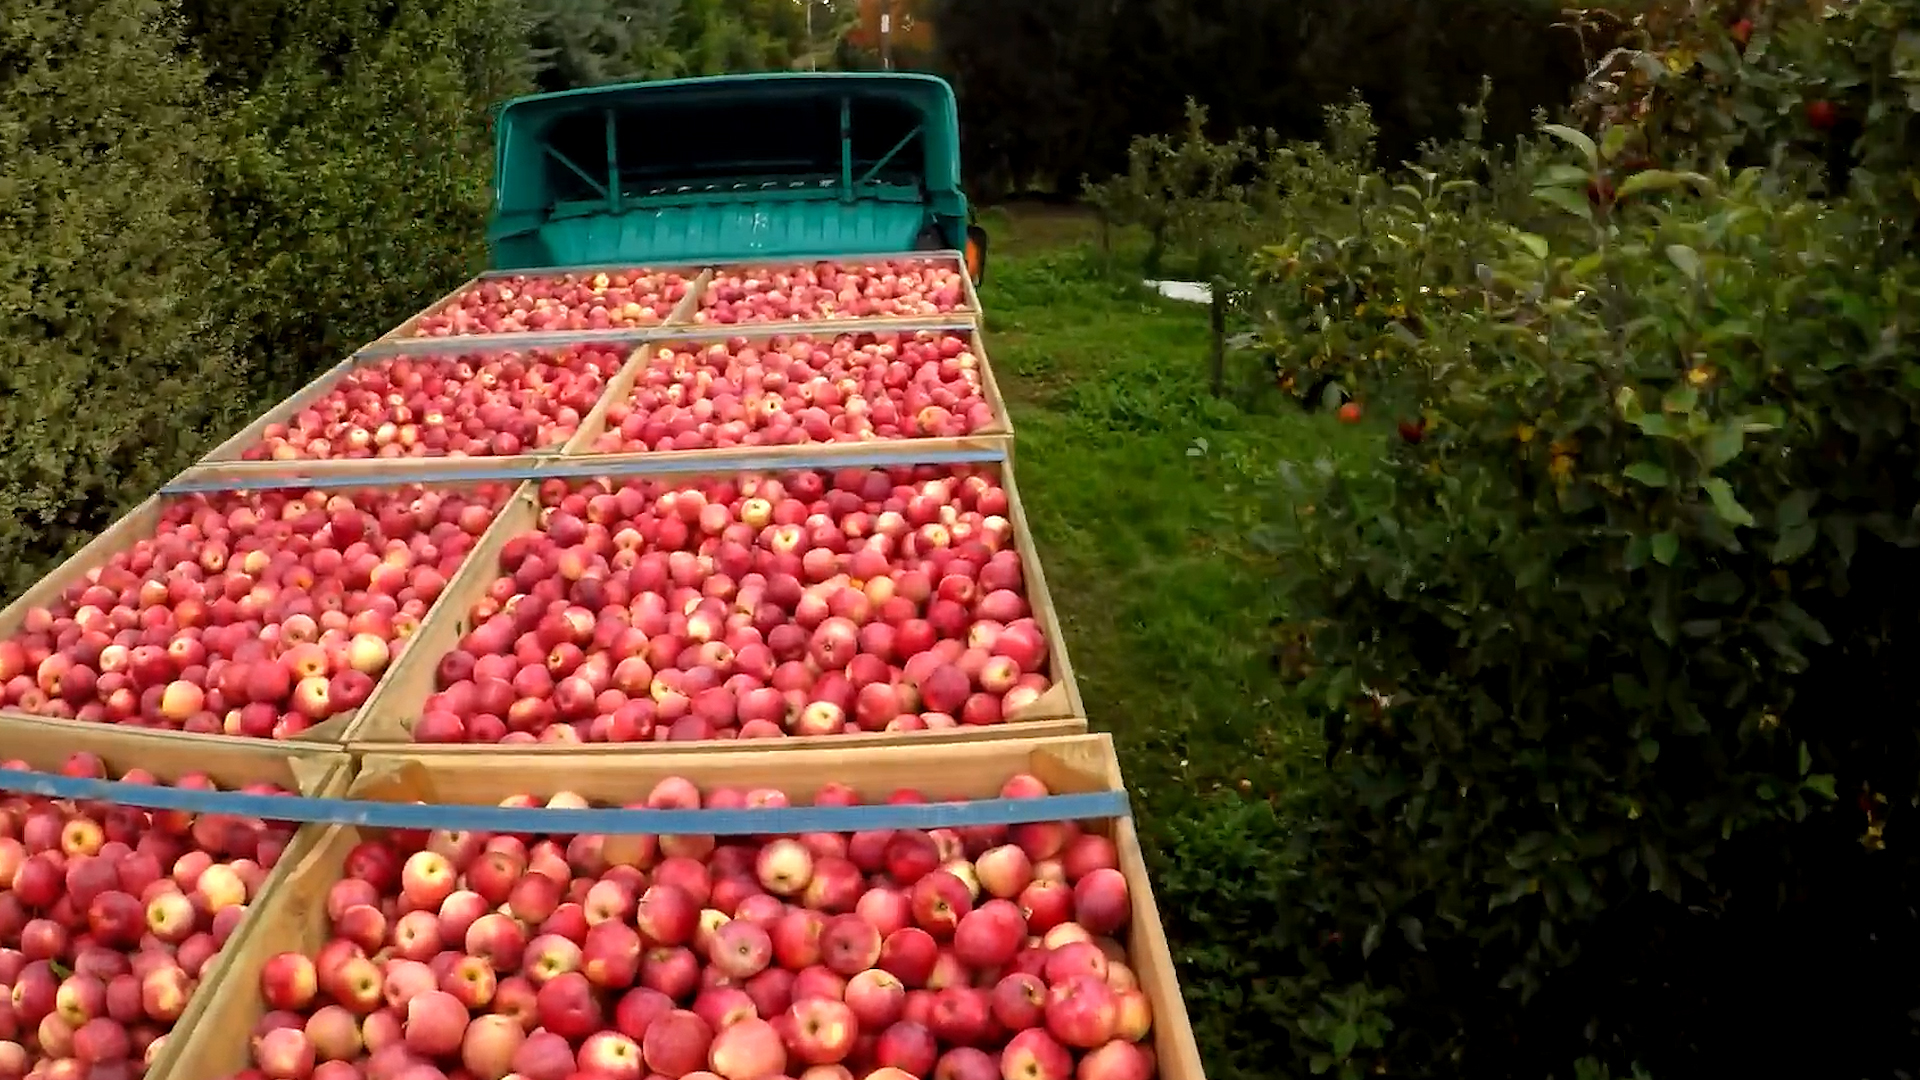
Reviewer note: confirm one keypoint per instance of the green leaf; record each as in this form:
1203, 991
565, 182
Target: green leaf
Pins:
1794, 508
1614, 141
1654, 424
1533, 243
1806, 759
1680, 399
1563, 175
1682, 256
1723, 445
1344, 1037
1371, 939
1411, 930
1586, 266
1660, 180
1665, 547
1648, 473
1821, 783
1649, 750
1725, 504
1636, 554
1575, 139
1793, 542
1566, 199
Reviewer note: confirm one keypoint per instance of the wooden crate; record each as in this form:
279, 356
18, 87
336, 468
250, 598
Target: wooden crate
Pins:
388, 717
139, 524
684, 308
230, 451
294, 918
620, 388
972, 316
46, 745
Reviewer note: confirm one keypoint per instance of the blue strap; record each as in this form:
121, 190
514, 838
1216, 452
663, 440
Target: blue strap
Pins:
504, 819
543, 467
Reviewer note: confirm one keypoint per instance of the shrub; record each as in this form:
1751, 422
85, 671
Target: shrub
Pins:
191, 233
115, 367
1602, 653
1824, 91
1190, 194
356, 190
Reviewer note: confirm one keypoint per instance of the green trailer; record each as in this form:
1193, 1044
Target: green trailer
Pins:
788, 166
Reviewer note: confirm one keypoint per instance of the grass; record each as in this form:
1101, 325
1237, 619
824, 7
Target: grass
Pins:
1141, 489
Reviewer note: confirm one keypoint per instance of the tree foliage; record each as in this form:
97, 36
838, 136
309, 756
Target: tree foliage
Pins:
1054, 90
205, 205
116, 365
1620, 766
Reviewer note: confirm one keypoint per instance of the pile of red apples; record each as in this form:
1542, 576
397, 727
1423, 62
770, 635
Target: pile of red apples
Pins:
810, 603
987, 953
258, 614
494, 404
895, 289
110, 918
587, 301
788, 390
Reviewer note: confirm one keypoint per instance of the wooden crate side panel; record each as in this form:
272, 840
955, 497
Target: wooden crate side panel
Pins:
682, 313
778, 458
233, 447
406, 329
1040, 599
290, 914
390, 712
617, 390
137, 524
1174, 1047
990, 386
47, 744
1069, 764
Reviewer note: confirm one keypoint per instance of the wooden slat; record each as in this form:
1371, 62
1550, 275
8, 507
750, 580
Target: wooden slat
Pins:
388, 717
406, 329
248, 436
293, 918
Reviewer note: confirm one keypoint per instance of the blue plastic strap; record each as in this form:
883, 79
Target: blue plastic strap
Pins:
546, 467
505, 819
